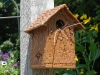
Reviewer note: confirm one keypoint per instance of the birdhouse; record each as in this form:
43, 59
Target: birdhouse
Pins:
52, 39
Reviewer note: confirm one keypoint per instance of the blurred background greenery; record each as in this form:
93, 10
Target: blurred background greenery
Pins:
9, 38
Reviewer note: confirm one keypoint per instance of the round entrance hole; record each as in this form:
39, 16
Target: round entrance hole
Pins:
59, 24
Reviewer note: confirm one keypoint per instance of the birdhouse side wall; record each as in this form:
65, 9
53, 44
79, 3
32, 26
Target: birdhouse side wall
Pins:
38, 43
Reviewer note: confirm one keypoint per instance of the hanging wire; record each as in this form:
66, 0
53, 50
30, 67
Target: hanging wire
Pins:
74, 24
60, 30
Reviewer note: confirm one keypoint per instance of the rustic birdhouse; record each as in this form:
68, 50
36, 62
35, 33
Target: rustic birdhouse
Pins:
52, 39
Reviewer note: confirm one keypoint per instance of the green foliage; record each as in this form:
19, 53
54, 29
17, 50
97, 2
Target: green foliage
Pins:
10, 66
9, 49
9, 58
8, 27
7, 45
81, 6
89, 53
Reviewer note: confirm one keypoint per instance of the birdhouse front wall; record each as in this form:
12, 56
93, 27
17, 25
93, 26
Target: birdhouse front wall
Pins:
53, 46
64, 52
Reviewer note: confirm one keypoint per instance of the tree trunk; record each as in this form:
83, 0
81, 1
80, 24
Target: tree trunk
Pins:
29, 11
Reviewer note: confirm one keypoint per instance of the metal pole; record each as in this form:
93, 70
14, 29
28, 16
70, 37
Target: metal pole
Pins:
9, 17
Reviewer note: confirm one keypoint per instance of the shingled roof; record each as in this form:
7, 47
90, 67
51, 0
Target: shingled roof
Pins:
43, 18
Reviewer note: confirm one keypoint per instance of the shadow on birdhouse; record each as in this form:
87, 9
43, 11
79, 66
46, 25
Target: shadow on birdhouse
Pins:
52, 39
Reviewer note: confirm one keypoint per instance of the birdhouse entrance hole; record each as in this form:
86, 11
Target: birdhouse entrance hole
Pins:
59, 24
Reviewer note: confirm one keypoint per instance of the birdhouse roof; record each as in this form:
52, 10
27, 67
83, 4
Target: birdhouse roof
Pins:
44, 17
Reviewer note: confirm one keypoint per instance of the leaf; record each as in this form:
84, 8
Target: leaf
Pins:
91, 72
98, 12
97, 54
92, 55
86, 58
92, 47
81, 66
67, 74
80, 48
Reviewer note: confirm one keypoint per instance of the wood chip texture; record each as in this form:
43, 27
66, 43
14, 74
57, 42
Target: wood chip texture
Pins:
52, 47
